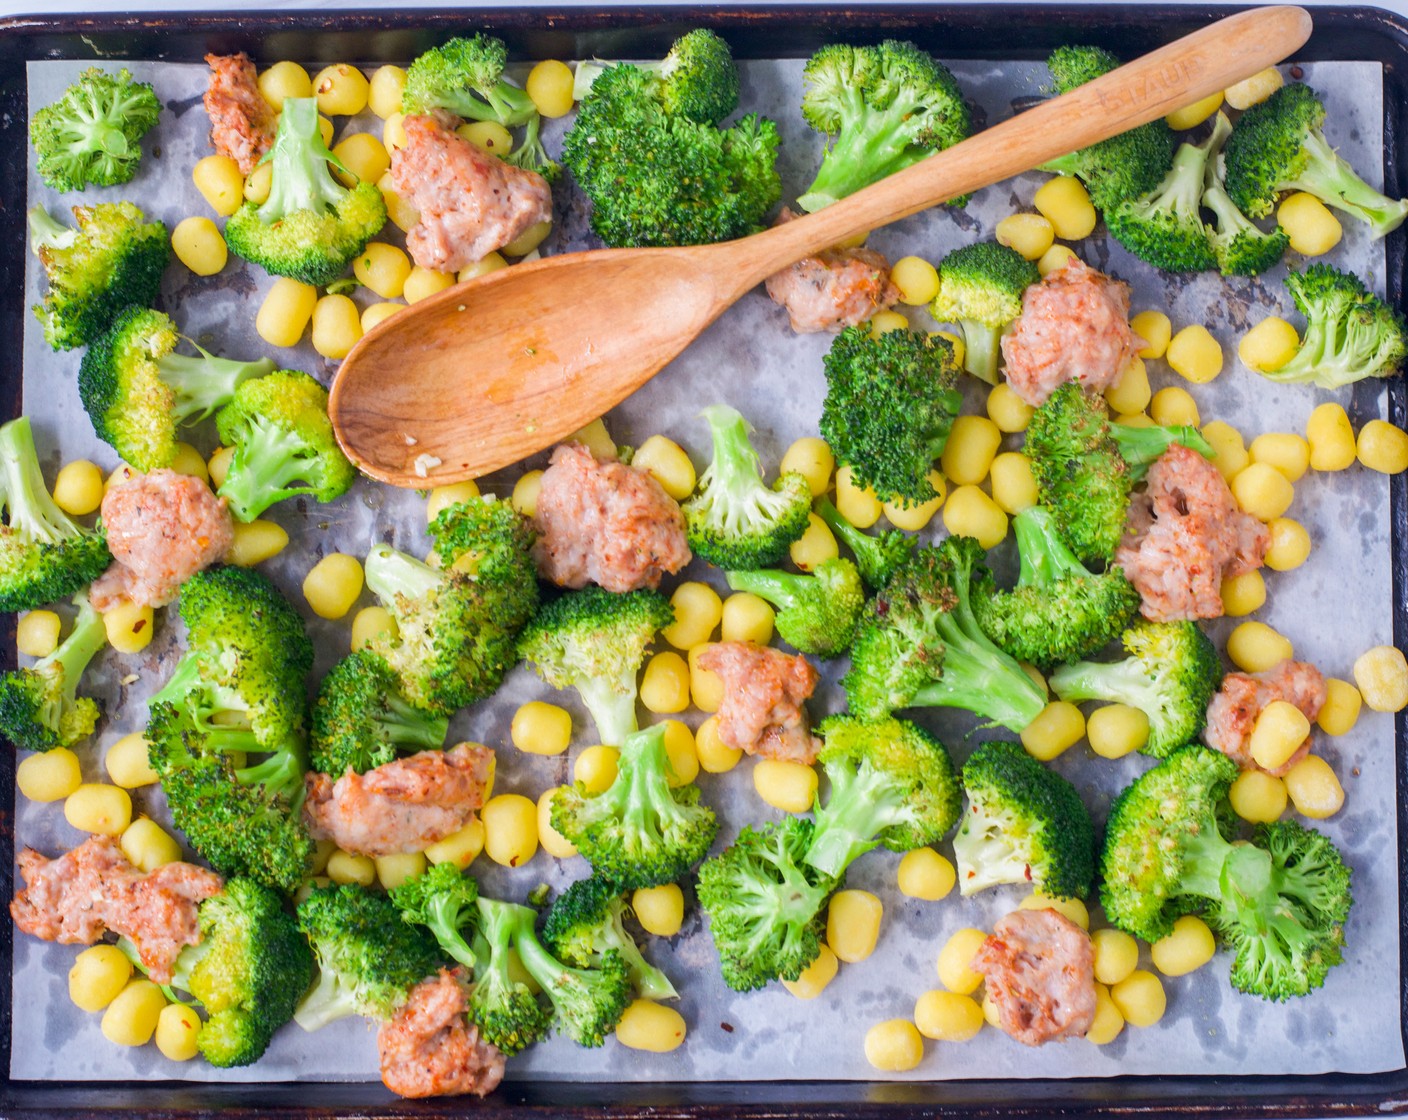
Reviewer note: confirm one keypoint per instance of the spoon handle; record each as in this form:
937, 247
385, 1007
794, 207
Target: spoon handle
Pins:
1194, 67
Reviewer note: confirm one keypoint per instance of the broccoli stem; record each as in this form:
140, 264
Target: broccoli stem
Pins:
612, 705
1067, 164
390, 573
982, 346
206, 384
542, 966
32, 512
984, 849
88, 636
646, 796
1120, 682
443, 920
734, 471
1045, 556
648, 981
326, 1002
877, 558
301, 179
863, 154
1141, 447
46, 232
405, 725
280, 775
781, 589
863, 803
269, 461
1206, 864
987, 683
1334, 182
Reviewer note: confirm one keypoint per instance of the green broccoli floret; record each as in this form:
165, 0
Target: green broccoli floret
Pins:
919, 644
311, 226
638, 832
466, 77
1059, 611
1170, 675
112, 260
1280, 902
877, 557
451, 645
138, 391
284, 444
656, 176
765, 904
883, 107
362, 721
368, 958
444, 900
1164, 226
817, 613
698, 78
245, 821
93, 134
734, 520
1277, 146
1124, 166
507, 1012
980, 289
249, 969
892, 783
247, 660
588, 1002
595, 641
1080, 475
890, 404
1350, 333
1024, 824
1085, 466
43, 555
40, 708
1241, 248
585, 924
490, 542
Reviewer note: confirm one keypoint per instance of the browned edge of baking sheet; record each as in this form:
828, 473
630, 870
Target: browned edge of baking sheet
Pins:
949, 31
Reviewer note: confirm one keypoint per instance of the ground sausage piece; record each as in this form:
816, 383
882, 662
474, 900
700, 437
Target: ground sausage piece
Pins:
1074, 326
1040, 972
762, 712
430, 1049
605, 523
94, 889
403, 806
470, 203
836, 288
242, 123
1185, 536
162, 528
1233, 711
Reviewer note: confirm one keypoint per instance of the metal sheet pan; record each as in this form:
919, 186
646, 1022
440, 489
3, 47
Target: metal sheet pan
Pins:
1343, 33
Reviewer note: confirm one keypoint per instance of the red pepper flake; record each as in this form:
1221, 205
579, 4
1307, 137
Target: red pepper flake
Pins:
137, 627
726, 1027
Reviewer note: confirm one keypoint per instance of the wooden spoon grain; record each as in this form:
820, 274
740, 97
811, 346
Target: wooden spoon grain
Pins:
493, 369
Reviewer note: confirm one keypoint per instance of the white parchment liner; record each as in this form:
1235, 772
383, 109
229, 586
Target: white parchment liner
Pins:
1333, 608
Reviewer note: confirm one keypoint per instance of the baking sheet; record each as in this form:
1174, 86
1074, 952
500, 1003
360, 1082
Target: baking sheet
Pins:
1332, 609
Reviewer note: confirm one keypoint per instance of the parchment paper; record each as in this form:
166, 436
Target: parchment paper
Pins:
1332, 608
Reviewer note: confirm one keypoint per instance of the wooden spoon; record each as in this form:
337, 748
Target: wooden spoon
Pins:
491, 370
